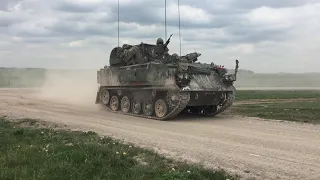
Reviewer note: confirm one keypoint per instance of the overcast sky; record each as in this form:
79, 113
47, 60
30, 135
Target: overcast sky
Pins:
265, 35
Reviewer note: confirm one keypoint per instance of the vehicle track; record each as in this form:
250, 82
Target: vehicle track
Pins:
252, 147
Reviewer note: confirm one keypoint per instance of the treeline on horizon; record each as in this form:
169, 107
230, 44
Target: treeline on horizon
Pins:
35, 77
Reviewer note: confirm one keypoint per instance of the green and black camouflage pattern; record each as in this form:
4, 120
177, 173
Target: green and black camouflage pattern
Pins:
145, 69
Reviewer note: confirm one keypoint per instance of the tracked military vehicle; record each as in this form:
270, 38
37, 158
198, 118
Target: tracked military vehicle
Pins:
144, 80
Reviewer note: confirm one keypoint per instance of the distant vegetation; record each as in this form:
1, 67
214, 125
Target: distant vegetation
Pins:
12, 77
292, 105
248, 78
35, 77
305, 111
276, 94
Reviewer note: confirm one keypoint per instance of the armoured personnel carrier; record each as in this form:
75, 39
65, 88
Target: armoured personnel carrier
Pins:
144, 80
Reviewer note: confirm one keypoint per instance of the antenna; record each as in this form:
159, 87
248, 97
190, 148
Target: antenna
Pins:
118, 24
179, 24
165, 19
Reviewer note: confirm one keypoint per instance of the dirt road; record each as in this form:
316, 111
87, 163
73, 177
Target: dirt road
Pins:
248, 146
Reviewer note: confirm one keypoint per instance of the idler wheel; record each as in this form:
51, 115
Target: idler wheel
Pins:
125, 104
105, 96
161, 108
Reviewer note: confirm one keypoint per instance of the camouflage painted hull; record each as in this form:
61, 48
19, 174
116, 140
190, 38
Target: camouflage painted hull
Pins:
153, 90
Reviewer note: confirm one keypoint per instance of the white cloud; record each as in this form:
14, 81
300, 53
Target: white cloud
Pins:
188, 13
76, 43
265, 36
85, 2
274, 16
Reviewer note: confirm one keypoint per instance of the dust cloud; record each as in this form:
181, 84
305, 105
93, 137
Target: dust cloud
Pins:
70, 87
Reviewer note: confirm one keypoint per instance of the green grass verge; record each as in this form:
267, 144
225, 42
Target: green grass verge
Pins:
41, 153
276, 94
293, 111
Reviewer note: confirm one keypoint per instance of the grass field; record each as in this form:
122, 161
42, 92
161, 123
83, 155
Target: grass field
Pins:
276, 94
43, 153
298, 105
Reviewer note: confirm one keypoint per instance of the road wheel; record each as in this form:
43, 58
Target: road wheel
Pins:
125, 104
136, 106
147, 107
161, 108
114, 103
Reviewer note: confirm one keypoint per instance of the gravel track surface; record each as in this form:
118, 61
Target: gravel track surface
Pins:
251, 147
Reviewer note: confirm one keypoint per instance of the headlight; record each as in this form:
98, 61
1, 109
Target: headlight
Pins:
183, 76
230, 77
186, 75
